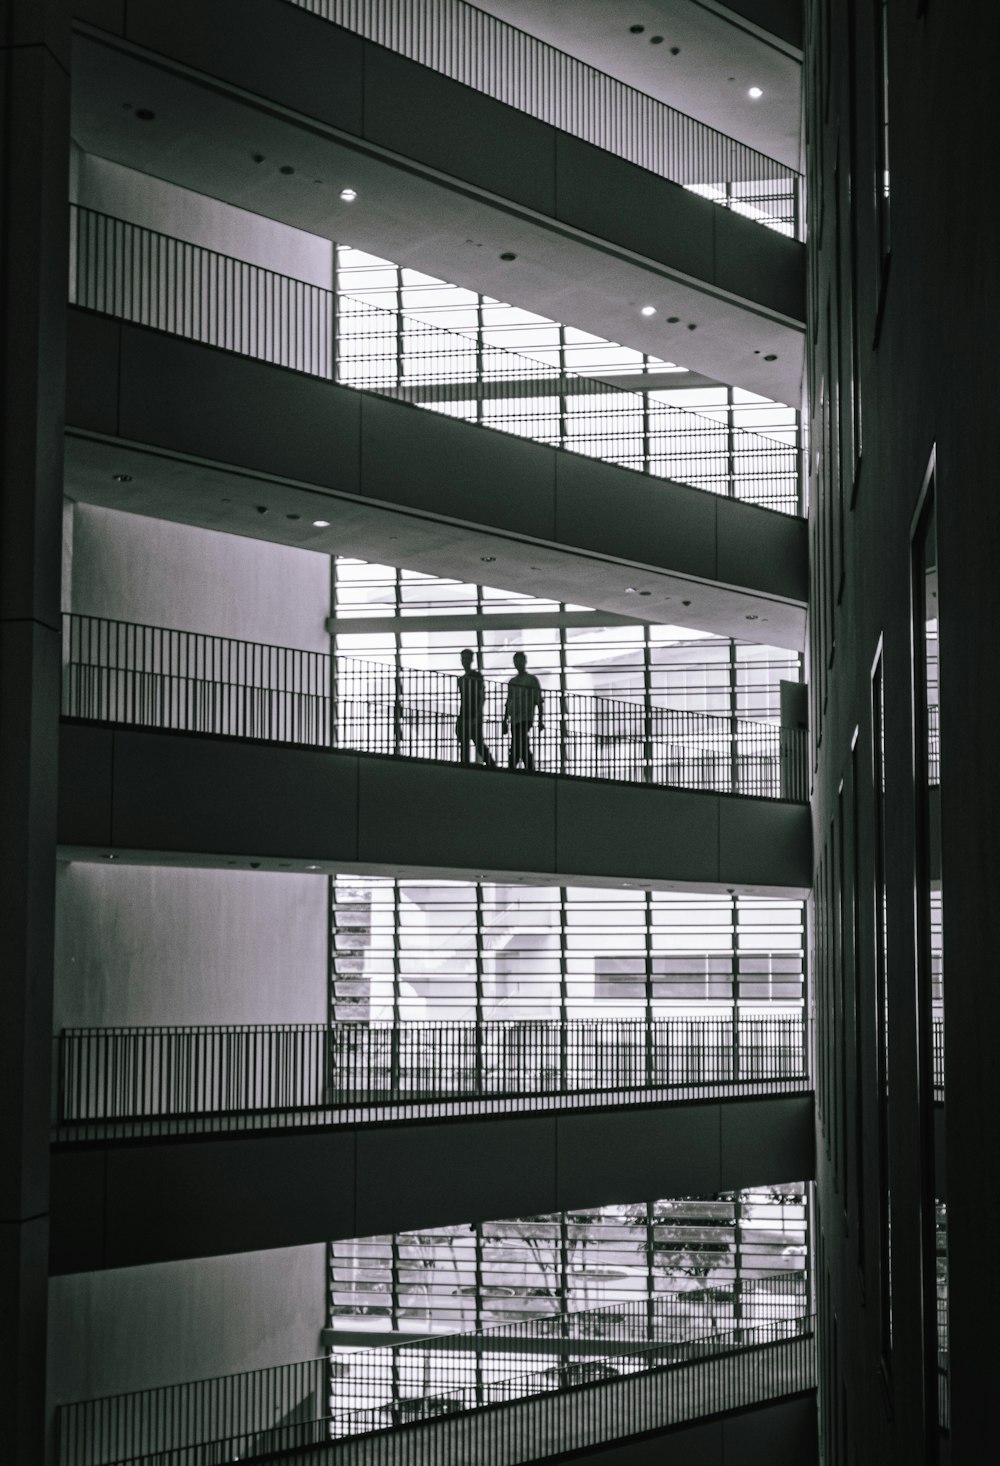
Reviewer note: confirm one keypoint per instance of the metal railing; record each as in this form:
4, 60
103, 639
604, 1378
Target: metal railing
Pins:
296, 1073
494, 57
289, 1407
136, 274
156, 677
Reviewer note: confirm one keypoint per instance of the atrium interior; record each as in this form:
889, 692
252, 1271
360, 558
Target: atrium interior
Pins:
475, 722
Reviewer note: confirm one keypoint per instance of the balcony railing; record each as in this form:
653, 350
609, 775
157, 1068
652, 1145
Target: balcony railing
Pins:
631, 1356
490, 55
219, 1077
154, 677
154, 280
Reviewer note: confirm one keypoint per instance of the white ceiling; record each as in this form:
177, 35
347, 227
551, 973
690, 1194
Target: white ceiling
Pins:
215, 497
719, 59
204, 138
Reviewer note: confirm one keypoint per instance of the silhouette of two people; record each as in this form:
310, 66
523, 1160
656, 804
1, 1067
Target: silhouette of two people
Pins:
524, 696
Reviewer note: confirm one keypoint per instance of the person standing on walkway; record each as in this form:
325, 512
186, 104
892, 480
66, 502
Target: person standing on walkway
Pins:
524, 695
469, 724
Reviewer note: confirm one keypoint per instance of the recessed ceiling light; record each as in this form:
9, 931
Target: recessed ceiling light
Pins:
637, 30
648, 310
348, 195
122, 478
770, 356
487, 559
630, 590
109, 856
755, 92
751, 616
656, 40
286, 168
293, 516
508, 255
321, 524
144, 114
645, 592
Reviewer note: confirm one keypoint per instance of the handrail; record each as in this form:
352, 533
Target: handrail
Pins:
158, 677
497, 58
153, 279
229, 1076
240, 1415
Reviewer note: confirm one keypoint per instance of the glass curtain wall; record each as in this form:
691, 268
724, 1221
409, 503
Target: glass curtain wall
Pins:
577, 400
666, 666
714, 1261
422, 950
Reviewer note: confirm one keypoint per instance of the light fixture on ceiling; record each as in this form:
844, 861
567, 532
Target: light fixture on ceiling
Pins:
488, 559
122, 478
348, 195
751, 616
755, 92
321, 524
648, 310
630, 590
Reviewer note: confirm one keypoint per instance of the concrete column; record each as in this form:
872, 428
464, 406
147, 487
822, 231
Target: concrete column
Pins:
34, 147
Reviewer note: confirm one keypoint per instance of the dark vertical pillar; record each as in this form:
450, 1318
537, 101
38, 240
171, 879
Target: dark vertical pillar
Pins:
34, 143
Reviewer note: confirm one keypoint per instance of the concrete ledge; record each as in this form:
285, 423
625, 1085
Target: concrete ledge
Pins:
189, 424
134, 1203
199, 800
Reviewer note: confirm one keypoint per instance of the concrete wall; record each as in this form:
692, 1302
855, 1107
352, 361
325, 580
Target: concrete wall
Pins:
141, 198
871, 315
133, 568
147, 944
153, 945
134, 1328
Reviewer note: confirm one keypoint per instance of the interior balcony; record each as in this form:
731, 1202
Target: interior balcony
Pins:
369, 1337
283, 110
172, 428
584, 1381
